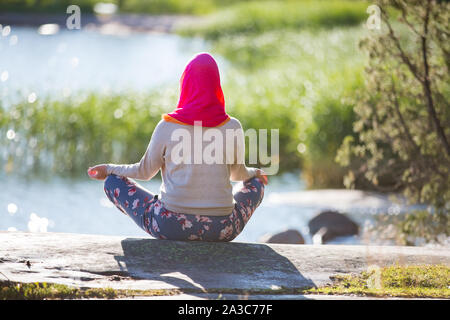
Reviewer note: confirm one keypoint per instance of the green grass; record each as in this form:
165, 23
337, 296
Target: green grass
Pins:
424, 281
52, 291
39, 291
262, 16
66, 136
427, 281
195, 7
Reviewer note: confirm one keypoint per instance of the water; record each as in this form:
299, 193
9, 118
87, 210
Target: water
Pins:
80, 206
71, 61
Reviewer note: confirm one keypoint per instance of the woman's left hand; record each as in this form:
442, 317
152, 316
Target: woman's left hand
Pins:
98, 172
261, 175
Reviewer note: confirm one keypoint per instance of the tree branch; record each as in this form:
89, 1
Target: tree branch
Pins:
412, 67
427, 84
402, 120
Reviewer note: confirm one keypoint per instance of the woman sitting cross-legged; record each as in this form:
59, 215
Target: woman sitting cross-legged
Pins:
196, 201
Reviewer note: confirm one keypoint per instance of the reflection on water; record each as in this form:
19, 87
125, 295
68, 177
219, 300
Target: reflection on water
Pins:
34, 65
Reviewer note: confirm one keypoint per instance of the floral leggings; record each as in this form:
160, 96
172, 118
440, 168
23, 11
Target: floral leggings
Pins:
149, 213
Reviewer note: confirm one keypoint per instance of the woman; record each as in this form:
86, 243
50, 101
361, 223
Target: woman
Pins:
196, 200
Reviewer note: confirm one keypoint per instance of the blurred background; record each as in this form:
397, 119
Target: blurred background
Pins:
358, 134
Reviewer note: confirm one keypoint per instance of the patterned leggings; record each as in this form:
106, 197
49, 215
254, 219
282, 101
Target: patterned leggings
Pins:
149, 213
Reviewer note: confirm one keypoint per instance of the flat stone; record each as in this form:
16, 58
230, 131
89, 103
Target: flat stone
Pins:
215, 296
195, 268
290, 236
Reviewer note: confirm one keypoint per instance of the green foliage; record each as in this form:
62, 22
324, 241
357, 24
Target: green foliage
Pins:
196, 7
332, 120
403, 118
67, 136
51, 6
10, 290
417, 227
263, 16
42, 290
423, 281
423, 225
302, 83
167, 6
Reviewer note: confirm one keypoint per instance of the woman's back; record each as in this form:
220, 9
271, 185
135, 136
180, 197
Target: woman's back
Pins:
196, 165
196, 172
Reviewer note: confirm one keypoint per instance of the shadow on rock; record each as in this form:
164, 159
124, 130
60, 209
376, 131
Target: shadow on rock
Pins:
204, 267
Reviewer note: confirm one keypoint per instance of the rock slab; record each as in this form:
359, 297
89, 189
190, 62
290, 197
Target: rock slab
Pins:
290, 236
135, 263
330, 224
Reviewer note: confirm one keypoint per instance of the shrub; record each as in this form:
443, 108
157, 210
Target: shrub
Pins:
403, 119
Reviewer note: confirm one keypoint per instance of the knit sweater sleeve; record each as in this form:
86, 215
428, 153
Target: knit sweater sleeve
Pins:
150, 163
239, 171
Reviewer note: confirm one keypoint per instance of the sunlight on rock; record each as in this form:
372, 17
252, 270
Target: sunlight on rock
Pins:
4, 76
275, 287
317, 239
10, 134
12, 208
32, 97
13, 40
11, 229
6, 31
48, 29
37, 224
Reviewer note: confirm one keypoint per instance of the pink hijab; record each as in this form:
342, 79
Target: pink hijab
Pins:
201, 96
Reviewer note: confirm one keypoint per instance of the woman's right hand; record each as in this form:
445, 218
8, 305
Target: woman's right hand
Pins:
262, 176
98, 172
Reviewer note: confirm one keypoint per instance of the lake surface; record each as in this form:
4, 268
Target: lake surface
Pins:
71, 61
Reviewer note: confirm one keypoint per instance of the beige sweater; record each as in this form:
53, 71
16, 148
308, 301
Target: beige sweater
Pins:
202, 186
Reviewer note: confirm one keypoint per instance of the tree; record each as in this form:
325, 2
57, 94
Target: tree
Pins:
403, 115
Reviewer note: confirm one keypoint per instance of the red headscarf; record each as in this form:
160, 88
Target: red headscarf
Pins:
201, 96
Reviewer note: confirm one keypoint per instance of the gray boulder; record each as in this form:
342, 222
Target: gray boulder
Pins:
329, 224
290, 236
